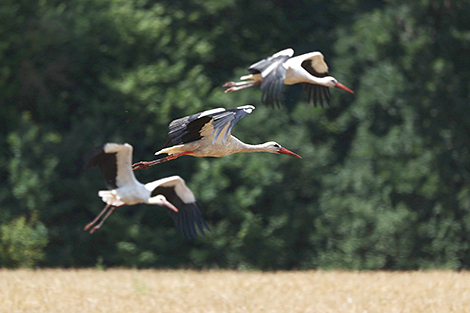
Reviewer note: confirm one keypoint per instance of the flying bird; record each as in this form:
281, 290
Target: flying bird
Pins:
308, 69
114, 161
208, 134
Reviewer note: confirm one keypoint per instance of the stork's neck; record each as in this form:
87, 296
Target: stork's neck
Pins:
242, 147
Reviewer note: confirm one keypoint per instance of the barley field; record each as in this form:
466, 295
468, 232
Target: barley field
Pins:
127, 290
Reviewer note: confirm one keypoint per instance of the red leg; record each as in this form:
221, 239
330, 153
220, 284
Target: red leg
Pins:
102, 221
97, 217
233, 86
143, 165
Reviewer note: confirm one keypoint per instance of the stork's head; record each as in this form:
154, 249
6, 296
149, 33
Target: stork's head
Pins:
162, 201
330, 81
274, 147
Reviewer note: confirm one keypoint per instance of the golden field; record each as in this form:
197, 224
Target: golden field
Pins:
127, 290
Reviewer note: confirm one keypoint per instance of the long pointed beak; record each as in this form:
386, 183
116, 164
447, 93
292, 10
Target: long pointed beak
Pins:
285, 151
341, 86
170, 205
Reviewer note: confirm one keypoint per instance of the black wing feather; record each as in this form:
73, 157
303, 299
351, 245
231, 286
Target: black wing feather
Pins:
188, 129
231, 117
107, 163
317, 93
188, 132
273, 80
327, 94
260, 66
307, 65
188, 216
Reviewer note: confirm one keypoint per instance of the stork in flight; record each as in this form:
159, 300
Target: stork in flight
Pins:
114, 161
208, 134
308, 69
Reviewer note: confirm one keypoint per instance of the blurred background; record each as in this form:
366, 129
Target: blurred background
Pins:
384, 179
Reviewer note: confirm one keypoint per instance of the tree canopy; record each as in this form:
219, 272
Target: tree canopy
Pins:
384, 179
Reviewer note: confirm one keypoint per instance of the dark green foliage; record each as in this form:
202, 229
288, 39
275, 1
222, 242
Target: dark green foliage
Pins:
21, 243
383, 183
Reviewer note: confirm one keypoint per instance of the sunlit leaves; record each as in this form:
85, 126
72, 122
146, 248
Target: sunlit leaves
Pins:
22, 243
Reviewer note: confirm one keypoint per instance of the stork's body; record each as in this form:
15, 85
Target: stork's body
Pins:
308, 69
114, 161
208, 134
206, 147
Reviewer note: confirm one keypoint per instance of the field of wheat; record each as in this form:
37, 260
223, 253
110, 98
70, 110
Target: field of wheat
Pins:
127, 290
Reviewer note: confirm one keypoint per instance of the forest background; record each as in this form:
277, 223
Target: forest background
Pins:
384, 179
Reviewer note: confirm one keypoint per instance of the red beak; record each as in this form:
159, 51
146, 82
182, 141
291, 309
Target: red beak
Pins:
170, 205
341, 86
285, 151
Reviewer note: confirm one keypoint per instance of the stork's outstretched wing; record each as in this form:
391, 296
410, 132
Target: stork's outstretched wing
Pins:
189, 214
190, 128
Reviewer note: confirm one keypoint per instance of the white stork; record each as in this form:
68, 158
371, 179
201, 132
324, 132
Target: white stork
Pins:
281, 68
114, 162
208, 134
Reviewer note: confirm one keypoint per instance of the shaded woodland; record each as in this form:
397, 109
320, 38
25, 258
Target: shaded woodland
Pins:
384, 179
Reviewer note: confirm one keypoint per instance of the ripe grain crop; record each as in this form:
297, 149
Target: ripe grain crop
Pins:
127, 290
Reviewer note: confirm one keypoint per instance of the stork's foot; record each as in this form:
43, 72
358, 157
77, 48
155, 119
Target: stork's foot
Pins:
97, 217
88, 225
104, 218
229, 84
235, 88
143, 165
240, 85
94, 229
231, 89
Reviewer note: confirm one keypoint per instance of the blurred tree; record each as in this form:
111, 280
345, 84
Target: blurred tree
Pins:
396, 199
21, 243
81, 74
384, 178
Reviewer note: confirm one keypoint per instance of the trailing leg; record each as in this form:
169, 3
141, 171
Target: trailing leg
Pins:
143, 165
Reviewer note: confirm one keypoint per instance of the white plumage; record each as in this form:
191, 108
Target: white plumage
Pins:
281, 68
114, 162
208, 134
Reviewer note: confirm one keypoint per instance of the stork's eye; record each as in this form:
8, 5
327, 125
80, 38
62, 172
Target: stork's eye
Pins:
276, 145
